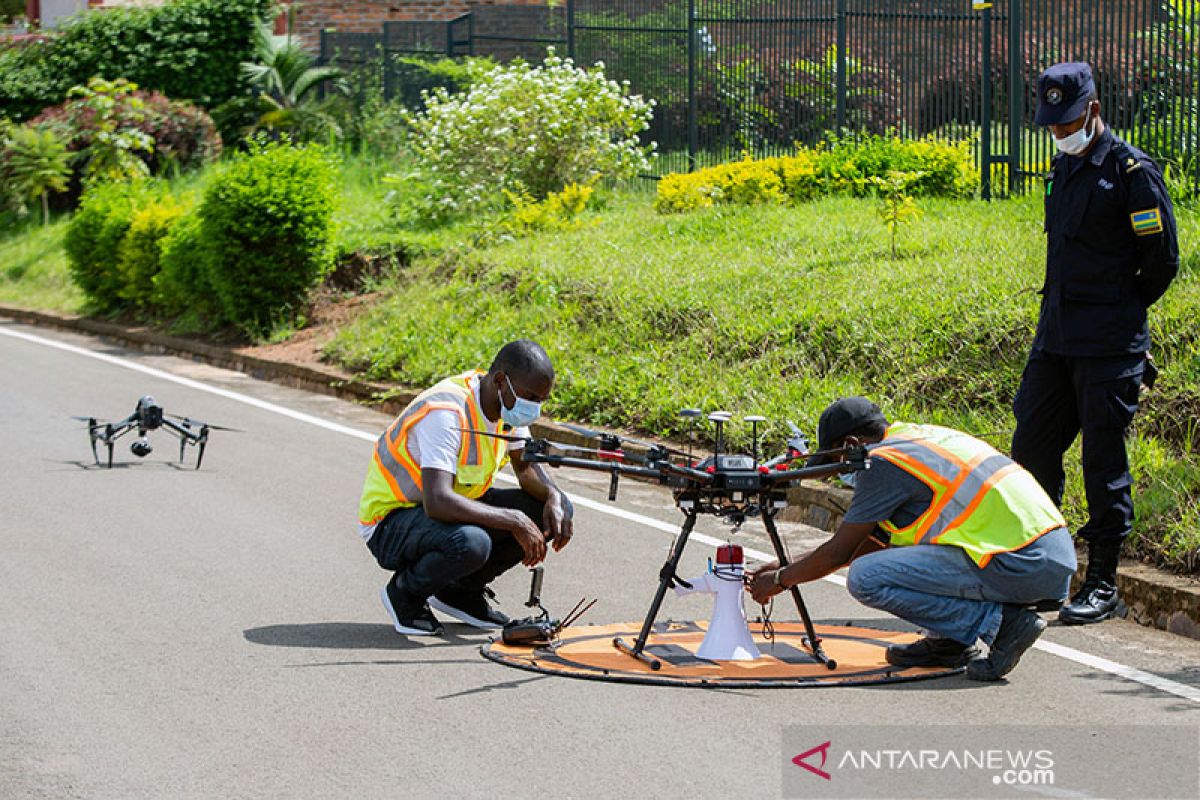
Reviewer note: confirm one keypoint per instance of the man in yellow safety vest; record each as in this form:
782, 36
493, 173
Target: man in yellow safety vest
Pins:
429, 512
972, 541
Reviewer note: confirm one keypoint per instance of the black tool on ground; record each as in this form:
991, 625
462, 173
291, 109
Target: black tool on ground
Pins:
542, 629
149, 416
732, 486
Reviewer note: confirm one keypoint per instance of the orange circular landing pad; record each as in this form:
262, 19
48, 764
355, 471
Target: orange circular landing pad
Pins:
587, 652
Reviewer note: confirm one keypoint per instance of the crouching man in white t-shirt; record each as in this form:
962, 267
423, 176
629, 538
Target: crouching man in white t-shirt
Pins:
428, 510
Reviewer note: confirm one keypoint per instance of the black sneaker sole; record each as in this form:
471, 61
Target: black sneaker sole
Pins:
407, 630
462, 616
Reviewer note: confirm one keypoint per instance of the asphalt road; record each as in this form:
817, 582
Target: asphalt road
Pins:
166, 632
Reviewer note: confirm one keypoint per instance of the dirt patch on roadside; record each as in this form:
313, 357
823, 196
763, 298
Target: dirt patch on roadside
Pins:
328, 313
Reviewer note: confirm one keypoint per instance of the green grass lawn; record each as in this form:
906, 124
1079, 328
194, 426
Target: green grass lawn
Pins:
33, 267
777, 311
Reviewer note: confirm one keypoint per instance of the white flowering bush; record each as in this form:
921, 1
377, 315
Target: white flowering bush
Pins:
528, 129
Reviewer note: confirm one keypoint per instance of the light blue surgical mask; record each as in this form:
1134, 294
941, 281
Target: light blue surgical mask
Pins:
849, 478
523, 413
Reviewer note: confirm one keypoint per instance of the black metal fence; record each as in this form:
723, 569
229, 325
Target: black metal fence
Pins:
733, 76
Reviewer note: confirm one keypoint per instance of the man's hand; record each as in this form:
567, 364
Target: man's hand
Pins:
557, 521
532, 540
763, 585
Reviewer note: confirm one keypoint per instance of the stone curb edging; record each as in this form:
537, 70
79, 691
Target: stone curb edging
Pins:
1153, 598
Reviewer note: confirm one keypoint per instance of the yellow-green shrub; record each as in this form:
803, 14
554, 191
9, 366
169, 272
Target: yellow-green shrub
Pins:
846, 166
559, 211
139, 255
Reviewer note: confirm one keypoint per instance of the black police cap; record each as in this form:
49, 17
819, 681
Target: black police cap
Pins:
1063, 92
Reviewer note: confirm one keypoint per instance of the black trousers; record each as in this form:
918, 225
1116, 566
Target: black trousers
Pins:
428, 555
1061, 397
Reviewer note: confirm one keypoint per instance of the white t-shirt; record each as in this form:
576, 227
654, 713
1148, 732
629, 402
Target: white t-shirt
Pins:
435, 439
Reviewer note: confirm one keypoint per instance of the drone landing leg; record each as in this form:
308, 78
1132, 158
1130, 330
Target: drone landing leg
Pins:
666, 576
811, 638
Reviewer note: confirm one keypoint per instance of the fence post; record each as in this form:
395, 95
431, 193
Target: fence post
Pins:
571, 29
985, 139
389, 66
1016, 96
693, 122
841, 66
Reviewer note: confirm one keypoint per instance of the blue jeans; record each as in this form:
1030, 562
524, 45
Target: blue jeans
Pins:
939, 588
427, 555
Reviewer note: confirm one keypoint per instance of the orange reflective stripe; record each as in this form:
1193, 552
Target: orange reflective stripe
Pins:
938, 506
397, 447
934, 446
918, 468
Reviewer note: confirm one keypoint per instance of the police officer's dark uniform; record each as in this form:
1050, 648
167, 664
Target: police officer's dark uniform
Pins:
1111, 252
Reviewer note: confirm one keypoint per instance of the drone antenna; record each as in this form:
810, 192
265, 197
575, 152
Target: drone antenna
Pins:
690, 415
754, 420
719, 418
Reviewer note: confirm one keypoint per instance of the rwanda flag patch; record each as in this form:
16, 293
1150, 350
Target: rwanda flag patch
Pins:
1146, 223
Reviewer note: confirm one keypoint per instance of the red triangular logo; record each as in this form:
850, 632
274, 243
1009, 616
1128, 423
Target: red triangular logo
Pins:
823, 749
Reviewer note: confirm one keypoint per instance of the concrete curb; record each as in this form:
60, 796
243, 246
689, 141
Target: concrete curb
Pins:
1154, 598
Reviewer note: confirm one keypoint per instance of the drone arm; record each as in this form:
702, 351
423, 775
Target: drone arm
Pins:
595, 466
183, 433
118, 430
856, 461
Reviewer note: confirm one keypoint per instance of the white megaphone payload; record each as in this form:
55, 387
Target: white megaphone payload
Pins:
728, 637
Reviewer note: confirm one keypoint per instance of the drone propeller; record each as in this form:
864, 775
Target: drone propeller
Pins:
195, 423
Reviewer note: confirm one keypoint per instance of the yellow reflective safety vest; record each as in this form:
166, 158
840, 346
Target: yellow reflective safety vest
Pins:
394, 477
983, 501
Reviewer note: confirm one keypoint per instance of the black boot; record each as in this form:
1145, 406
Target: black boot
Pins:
1097, 598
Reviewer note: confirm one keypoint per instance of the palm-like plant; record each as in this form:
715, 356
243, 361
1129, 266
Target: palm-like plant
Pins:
36, 163
286, 75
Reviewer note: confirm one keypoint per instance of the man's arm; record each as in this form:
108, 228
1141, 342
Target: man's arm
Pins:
559, 511
1153, 219
444, 504
829, 557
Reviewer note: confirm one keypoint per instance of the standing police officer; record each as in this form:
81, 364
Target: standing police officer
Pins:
1111, 252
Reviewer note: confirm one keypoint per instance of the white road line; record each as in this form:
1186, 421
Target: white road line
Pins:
1069, 653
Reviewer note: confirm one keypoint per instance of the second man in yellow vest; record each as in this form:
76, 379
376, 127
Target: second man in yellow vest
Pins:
429, 512
974, 541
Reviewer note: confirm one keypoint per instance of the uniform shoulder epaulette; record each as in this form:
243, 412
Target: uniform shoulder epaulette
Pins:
1132, 164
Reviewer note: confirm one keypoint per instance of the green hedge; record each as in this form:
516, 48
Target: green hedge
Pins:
267, 222
186, 49
94, 236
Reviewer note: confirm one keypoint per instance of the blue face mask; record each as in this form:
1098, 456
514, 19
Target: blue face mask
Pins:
523, 413
849, 478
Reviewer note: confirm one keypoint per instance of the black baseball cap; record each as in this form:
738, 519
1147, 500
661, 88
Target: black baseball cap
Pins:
1062, 93
843, 417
